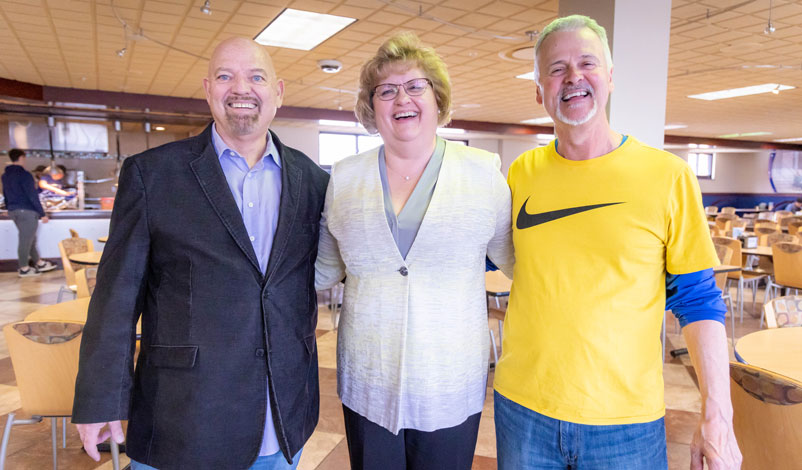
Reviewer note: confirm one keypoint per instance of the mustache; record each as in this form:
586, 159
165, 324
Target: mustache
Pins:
247, 98
572, 89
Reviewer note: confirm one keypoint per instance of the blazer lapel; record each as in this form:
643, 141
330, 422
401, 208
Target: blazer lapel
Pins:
215, 186
291, 184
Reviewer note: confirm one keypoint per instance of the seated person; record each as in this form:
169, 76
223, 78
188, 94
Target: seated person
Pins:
794, 206
50, 182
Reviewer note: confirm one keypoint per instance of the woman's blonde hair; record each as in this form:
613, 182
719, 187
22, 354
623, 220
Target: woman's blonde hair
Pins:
402, 51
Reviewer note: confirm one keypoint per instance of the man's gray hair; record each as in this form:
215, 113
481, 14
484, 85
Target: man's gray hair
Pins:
573, 23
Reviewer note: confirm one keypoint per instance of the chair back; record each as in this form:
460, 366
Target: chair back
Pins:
793, 224
767, 417
69, 311
85, 281
776, 237
736, 259
724, 254
44, 356
780, 216
728, 210
711, 210
787, 264
767, 215
781, 312
724, 221
71, 246
763, 234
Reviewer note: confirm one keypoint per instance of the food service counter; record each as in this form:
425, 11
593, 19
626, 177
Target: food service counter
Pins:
90, 224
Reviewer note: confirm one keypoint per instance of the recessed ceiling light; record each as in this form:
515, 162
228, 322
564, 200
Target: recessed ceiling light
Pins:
745, 91
526, 76
744, 134
304, 30
669, 127
538, 121
470, 105
159, 128
793, 139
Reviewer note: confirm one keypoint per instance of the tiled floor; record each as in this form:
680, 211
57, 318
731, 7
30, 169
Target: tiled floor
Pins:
29, 447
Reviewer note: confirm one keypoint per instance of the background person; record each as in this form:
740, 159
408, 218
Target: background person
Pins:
609, 233
410, 224
24, 208
213, 241
50, 182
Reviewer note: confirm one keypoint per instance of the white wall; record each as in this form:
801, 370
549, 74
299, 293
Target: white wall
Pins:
737, 172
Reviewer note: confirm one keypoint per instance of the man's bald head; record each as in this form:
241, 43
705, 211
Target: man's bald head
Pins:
242, 89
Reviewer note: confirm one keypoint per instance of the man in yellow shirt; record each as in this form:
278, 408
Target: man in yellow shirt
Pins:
608, 233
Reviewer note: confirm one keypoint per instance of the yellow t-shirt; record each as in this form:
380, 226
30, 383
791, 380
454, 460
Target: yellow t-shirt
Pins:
593, 241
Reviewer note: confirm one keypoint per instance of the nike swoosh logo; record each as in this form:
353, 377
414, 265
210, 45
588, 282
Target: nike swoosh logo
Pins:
526, 220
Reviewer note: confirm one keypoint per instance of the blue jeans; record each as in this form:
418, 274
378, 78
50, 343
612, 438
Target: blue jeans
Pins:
528, 440
263, 462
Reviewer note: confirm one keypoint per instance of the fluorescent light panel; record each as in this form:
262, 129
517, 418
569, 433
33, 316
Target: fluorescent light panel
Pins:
526, 76
745, 91
744, 134
669, 127
538, 121
793, 139
304, 30
450, 130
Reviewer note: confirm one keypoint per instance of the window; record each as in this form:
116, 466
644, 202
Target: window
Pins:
703, 164
334, 147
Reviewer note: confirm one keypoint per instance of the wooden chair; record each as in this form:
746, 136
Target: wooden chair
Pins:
793, 224
779, 216
783, 312
497, 285
44, 356
777, 237
743, 278
724, 222
85, 281
67, 247
69, 311
787, 270
763, 233
728, 210
767, 417
711, 210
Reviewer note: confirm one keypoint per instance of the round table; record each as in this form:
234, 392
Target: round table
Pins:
89, 258
103, 239
778, 350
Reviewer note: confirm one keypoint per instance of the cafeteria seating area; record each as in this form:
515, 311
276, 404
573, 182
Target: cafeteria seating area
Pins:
30, 445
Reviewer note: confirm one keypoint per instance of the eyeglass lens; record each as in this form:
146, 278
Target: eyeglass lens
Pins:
414, 87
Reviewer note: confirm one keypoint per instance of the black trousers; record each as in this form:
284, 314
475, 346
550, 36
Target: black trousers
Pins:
371, 447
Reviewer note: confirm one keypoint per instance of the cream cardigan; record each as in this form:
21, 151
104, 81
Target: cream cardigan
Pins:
413, 345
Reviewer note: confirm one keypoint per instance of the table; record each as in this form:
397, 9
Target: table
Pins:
89, 258
778, 350
726, 268
497, 284
103, 239
759, 251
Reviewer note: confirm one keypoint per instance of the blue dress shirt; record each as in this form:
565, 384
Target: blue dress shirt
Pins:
257, 191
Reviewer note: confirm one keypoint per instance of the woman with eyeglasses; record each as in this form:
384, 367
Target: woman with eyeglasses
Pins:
409, 225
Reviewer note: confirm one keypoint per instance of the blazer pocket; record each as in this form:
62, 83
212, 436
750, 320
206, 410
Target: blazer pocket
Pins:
174, 357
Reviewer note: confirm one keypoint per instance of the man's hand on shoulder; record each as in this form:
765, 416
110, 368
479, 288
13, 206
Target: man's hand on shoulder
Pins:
94, 433
714, 442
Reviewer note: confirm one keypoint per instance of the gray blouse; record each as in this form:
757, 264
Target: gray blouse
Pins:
404, 227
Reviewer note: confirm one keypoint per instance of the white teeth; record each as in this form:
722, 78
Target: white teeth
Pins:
242, 105
576, 93
405, 114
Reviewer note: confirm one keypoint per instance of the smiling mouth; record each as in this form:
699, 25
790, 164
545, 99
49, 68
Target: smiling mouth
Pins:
404, 115
241, 105
575, 94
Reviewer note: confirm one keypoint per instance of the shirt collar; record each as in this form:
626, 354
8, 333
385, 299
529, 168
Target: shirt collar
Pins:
220, 146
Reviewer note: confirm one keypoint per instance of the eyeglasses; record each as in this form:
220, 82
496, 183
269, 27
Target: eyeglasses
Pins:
414, 87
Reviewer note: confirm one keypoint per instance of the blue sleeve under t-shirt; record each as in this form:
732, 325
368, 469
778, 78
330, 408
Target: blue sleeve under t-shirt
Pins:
694, 296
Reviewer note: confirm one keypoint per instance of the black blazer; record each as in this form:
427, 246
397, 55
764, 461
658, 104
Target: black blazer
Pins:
215, 330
